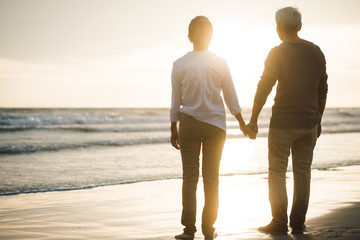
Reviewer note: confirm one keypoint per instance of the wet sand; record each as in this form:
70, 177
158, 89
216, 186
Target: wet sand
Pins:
151, 210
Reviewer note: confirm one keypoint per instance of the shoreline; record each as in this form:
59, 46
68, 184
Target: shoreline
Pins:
7, 194
151, 210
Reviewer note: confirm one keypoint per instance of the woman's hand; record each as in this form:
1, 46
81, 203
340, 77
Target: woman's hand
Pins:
175, 139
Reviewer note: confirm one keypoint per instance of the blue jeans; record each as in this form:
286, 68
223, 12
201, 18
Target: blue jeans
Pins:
193, 135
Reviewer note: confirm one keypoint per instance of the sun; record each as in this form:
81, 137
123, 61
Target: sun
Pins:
245, 48
243, 45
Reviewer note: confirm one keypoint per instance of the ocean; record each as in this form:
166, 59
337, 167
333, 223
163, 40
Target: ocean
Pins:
45, 150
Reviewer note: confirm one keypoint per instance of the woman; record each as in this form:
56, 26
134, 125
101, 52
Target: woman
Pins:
198, 78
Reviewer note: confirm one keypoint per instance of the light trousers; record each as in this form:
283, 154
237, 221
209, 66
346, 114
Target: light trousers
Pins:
301, 143
194, 135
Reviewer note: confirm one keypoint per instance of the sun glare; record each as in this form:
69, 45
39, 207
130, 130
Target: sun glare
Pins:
245, 49
236, 161
241, 192
242, 204
242, 44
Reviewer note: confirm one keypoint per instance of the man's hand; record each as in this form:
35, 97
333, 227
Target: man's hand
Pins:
174, 139
254, 119
253, 130
319, 129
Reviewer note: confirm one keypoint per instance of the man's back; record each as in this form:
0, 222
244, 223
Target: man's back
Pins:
299, 66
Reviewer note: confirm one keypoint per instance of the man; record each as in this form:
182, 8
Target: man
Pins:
198, 78
299, 68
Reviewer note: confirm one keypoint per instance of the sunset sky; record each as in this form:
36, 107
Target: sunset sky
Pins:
119, 53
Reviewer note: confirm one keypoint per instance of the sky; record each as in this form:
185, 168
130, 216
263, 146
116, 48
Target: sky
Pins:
119, 53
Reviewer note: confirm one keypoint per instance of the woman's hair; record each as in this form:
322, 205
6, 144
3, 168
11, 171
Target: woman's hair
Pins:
288, 19
200, 28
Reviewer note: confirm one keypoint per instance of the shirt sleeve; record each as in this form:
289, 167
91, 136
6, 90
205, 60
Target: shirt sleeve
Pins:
323, 85
268, 78
175, 96
229, 93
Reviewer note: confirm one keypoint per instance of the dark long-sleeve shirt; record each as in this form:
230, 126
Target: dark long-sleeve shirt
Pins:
299, 67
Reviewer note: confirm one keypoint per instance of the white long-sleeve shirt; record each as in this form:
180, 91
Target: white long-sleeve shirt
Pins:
197, 81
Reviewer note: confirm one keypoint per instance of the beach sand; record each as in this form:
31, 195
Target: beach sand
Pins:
151, 210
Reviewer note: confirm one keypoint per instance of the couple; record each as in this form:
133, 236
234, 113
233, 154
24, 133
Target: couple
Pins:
197, 81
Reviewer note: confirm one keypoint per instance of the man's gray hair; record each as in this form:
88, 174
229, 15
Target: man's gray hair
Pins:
288, 19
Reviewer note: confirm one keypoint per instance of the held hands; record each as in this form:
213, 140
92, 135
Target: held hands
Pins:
253, 127
245, 129
250, 130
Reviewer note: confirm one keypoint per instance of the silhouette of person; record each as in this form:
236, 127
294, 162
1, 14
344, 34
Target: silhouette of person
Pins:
299, 68
198, 78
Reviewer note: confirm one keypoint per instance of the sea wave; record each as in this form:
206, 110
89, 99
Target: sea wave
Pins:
328, 127
59, 188
65, 188
88, 129
46, 117
25, 149
140, 120
33, 148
